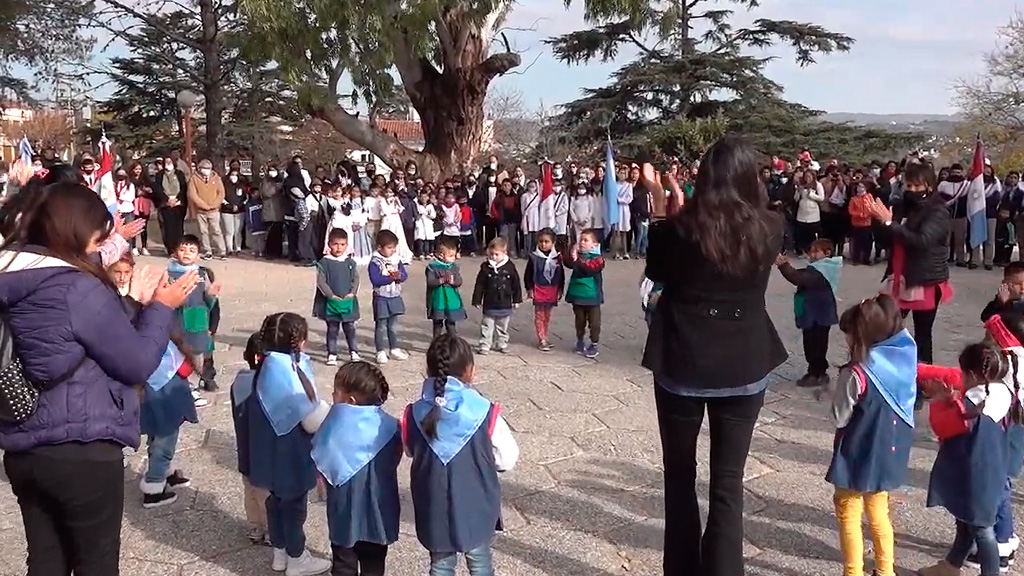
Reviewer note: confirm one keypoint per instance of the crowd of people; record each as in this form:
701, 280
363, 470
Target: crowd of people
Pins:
122, 344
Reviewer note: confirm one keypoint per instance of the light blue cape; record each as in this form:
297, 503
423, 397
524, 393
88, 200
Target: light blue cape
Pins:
280, 391
350, 438
464, 411
891, 367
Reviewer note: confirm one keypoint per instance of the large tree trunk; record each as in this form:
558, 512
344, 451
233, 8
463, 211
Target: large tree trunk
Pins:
449, 98
213, 94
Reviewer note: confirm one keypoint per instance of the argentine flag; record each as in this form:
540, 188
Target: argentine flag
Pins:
976, 197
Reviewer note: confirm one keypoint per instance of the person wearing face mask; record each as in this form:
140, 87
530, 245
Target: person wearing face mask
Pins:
232, 212
918, 270
319, 217
273, 212
170, 195
205, 196
529, 203
100, 183
124, 192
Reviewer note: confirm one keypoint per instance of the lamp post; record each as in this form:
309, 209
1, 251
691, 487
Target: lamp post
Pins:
187, 101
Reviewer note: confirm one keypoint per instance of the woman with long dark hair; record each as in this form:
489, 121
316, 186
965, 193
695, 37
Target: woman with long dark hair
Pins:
77, 346
918, 269
711, 347
170, 196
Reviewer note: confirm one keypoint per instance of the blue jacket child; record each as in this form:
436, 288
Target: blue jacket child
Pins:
357, 451
167, 403
283, 413
814, 306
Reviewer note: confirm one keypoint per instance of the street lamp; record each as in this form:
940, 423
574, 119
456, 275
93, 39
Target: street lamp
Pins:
187, 101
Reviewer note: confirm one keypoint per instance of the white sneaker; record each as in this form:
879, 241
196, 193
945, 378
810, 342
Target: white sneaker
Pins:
399, 354
307, 565
144, 252
354, 357
332, 360
135, 251
280, 561
382, 357
198, 399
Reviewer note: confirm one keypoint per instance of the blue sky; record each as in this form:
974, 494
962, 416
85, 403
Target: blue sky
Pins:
907, 56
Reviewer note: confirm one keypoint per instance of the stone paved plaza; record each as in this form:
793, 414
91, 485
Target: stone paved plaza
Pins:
586, 497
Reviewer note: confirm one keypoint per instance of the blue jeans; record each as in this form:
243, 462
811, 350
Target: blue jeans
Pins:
988, 550
161, 452
640, 237
334, 326
384, 337
285, 520
478, 562
1004, 517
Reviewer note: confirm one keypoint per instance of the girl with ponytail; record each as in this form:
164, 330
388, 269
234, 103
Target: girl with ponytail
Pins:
458, 443
283, 413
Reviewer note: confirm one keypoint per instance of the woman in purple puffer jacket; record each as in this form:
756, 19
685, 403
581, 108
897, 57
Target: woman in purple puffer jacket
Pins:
64, 461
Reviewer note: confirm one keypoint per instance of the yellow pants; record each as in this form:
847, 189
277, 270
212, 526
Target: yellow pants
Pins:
850, 508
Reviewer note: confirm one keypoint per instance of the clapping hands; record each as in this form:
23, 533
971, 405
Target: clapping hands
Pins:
129, 230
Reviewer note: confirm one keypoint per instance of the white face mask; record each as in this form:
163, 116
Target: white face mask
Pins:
233, 178
169, 167
558, 172
493, 165
272, 173
783, 179
205, 172
3, 178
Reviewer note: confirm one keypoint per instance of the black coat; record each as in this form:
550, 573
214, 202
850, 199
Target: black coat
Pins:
499, 289
160, 197
709, 330
925, 239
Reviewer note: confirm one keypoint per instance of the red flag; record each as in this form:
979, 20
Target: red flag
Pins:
106, 157
547, 187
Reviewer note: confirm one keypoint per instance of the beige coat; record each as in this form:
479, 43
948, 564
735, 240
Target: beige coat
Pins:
204, 195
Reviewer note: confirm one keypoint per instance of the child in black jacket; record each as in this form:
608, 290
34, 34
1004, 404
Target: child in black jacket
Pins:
814, 305
499, 292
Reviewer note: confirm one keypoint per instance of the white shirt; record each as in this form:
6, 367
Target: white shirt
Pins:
125, 197
808, 211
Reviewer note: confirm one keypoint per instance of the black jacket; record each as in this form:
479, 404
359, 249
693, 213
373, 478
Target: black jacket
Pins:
499, 289
925, 239
709, 330
160, 197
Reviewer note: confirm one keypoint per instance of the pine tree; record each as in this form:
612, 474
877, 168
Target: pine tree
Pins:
42, 35
684, 89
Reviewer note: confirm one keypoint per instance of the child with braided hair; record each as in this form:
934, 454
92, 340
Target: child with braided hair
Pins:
283, 413
971, 468
458, 443
357, 451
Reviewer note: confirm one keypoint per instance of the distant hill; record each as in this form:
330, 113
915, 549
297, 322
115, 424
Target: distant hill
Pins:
889, 119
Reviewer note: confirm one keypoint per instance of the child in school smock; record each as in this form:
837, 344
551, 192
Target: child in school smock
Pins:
357, 450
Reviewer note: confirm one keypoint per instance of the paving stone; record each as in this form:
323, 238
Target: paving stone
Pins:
587, 505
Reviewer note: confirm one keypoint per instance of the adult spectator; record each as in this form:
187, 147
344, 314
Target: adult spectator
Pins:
711, 346
205, 196
918, 267
64, 462
170, 195
954, 192
274, 210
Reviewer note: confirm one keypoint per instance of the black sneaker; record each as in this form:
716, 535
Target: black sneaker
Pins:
178, 480
1004, 562
808, 381
164, 498
209, 385
207, 256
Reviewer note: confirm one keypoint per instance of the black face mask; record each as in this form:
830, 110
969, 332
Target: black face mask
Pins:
912, 201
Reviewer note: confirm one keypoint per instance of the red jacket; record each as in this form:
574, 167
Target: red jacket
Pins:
947, 417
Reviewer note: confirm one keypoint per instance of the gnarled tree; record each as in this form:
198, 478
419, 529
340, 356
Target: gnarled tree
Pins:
441, 50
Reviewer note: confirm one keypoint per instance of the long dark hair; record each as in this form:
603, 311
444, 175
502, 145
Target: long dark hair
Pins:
285, 332
727, 215
446, 356
872, 321
62, 217
364, 382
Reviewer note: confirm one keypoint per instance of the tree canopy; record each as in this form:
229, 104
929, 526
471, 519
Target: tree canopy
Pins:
440, 49
41, 35
696, 75
993, 102
193, 46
